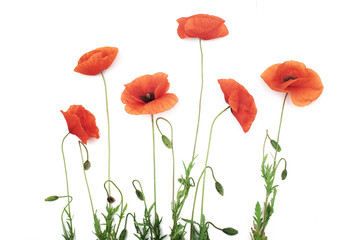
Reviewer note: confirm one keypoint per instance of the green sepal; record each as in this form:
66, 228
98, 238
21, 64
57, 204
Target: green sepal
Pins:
230, 231
140, 195
275, 145
51, 198
284, 174
166, 141
87, 165
219, 188
123, 234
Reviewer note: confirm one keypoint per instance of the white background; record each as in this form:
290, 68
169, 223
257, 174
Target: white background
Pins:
41, 43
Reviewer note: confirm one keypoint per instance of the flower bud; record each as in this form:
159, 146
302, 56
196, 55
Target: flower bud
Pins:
166, 141
284, 174
230, 231
87, 165
51, 198
123, 234
140, 195
111, 199
275, 145
219, 188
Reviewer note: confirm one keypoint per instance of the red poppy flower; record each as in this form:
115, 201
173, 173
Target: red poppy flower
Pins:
241, 102
81, 123
96, 61
147, 95
303, 84
202, 26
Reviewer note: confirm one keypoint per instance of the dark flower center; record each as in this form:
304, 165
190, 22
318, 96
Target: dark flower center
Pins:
148, 97
289, 77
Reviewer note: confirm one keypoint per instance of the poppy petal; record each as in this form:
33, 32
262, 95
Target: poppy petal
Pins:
96, 61
81, 123
147, 95
303, 84
241, 102
202, 26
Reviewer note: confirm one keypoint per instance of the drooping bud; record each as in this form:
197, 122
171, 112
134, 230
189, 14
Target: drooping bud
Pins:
140, 195
87, 165
230, 231
111, 199
166, 141
51, 198
219, 188
275, 145
123, 234
284, 174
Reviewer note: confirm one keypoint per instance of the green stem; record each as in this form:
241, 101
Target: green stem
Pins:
108, 123
87, 184
201, 91
204, 172
154, 165
62, 213
274, 166
207, 157
173, 155
66, 175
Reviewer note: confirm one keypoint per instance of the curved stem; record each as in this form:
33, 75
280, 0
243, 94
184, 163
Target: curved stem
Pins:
154, 165
173, 155
62, 213
66, 175
201, 90
87, 184
203, 173
141, 190
281, 117
207, 157
274, 166
108, 192
108, 123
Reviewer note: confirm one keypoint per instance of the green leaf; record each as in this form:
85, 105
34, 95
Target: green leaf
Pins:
219, 188
166, 141
275, 145
230, 231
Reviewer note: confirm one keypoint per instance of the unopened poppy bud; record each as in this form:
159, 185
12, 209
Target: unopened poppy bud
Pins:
230, 231
275, 145
111, 199
123, 234
219, 188
284, 174
166, 141
51, 198
87, 165
140, 195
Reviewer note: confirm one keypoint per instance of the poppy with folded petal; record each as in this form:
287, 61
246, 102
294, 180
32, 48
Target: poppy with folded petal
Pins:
96, 61
147, 95
241, 102
202, 26
81, 123
303, 84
